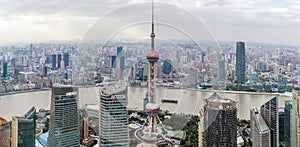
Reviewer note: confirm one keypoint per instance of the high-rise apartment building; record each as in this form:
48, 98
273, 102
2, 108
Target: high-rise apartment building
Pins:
113, 122
240, 63
64, 121
220, 121
295, 120
23, 129
260, 132
269, 112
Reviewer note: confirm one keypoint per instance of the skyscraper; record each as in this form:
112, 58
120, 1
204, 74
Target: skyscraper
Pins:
113, 62
30, 50
269, 112
53, 61
59, 58
122, 63
240, 62
221, 70
295, 120
63, 124
167, 67
113, 122
45, 71
23, 129
220, 121
4, 73
66, 59
287, 123
119, 50
260, 132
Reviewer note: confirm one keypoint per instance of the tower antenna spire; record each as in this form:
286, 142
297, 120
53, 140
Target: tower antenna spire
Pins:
152, 33
152, 16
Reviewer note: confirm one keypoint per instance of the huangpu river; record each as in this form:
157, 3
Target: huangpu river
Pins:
189, 101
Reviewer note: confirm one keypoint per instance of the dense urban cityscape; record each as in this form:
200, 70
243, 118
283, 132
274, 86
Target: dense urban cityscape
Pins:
148, 93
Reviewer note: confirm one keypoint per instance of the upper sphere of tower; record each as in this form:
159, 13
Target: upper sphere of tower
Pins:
152, 35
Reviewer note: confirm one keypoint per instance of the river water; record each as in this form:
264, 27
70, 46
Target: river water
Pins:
189, 101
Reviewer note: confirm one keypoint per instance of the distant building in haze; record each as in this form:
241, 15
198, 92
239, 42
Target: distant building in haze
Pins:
113, 122
220, 121
63, 124
4, 72
45, 71
119, 50
167, 67
59, 58
122, 63
221, 70
113, 62
53, 61
66, 59
240, 63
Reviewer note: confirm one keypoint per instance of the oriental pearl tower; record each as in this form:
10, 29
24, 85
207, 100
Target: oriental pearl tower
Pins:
152, 109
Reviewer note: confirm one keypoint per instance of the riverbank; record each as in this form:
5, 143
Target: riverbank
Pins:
24, 91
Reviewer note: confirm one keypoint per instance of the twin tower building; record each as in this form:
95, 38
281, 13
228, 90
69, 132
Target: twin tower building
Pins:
64, 117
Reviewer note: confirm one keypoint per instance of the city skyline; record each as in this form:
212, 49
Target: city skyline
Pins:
274, 22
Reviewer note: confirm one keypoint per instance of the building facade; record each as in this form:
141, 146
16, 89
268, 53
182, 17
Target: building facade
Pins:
113, 122
269, 112
64, 121
53, 60
240, 63
287, 123
221, 70
295, 120
220, 121
4, 133
281, 126
260, 132
4, 72
23, 129
66, 59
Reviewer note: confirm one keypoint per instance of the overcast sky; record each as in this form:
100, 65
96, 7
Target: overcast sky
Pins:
262, 21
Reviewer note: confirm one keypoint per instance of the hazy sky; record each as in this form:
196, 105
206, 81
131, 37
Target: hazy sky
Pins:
263, 21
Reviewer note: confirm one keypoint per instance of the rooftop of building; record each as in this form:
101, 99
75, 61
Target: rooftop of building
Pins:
262, 126
58, 89
113, 88
216, 101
